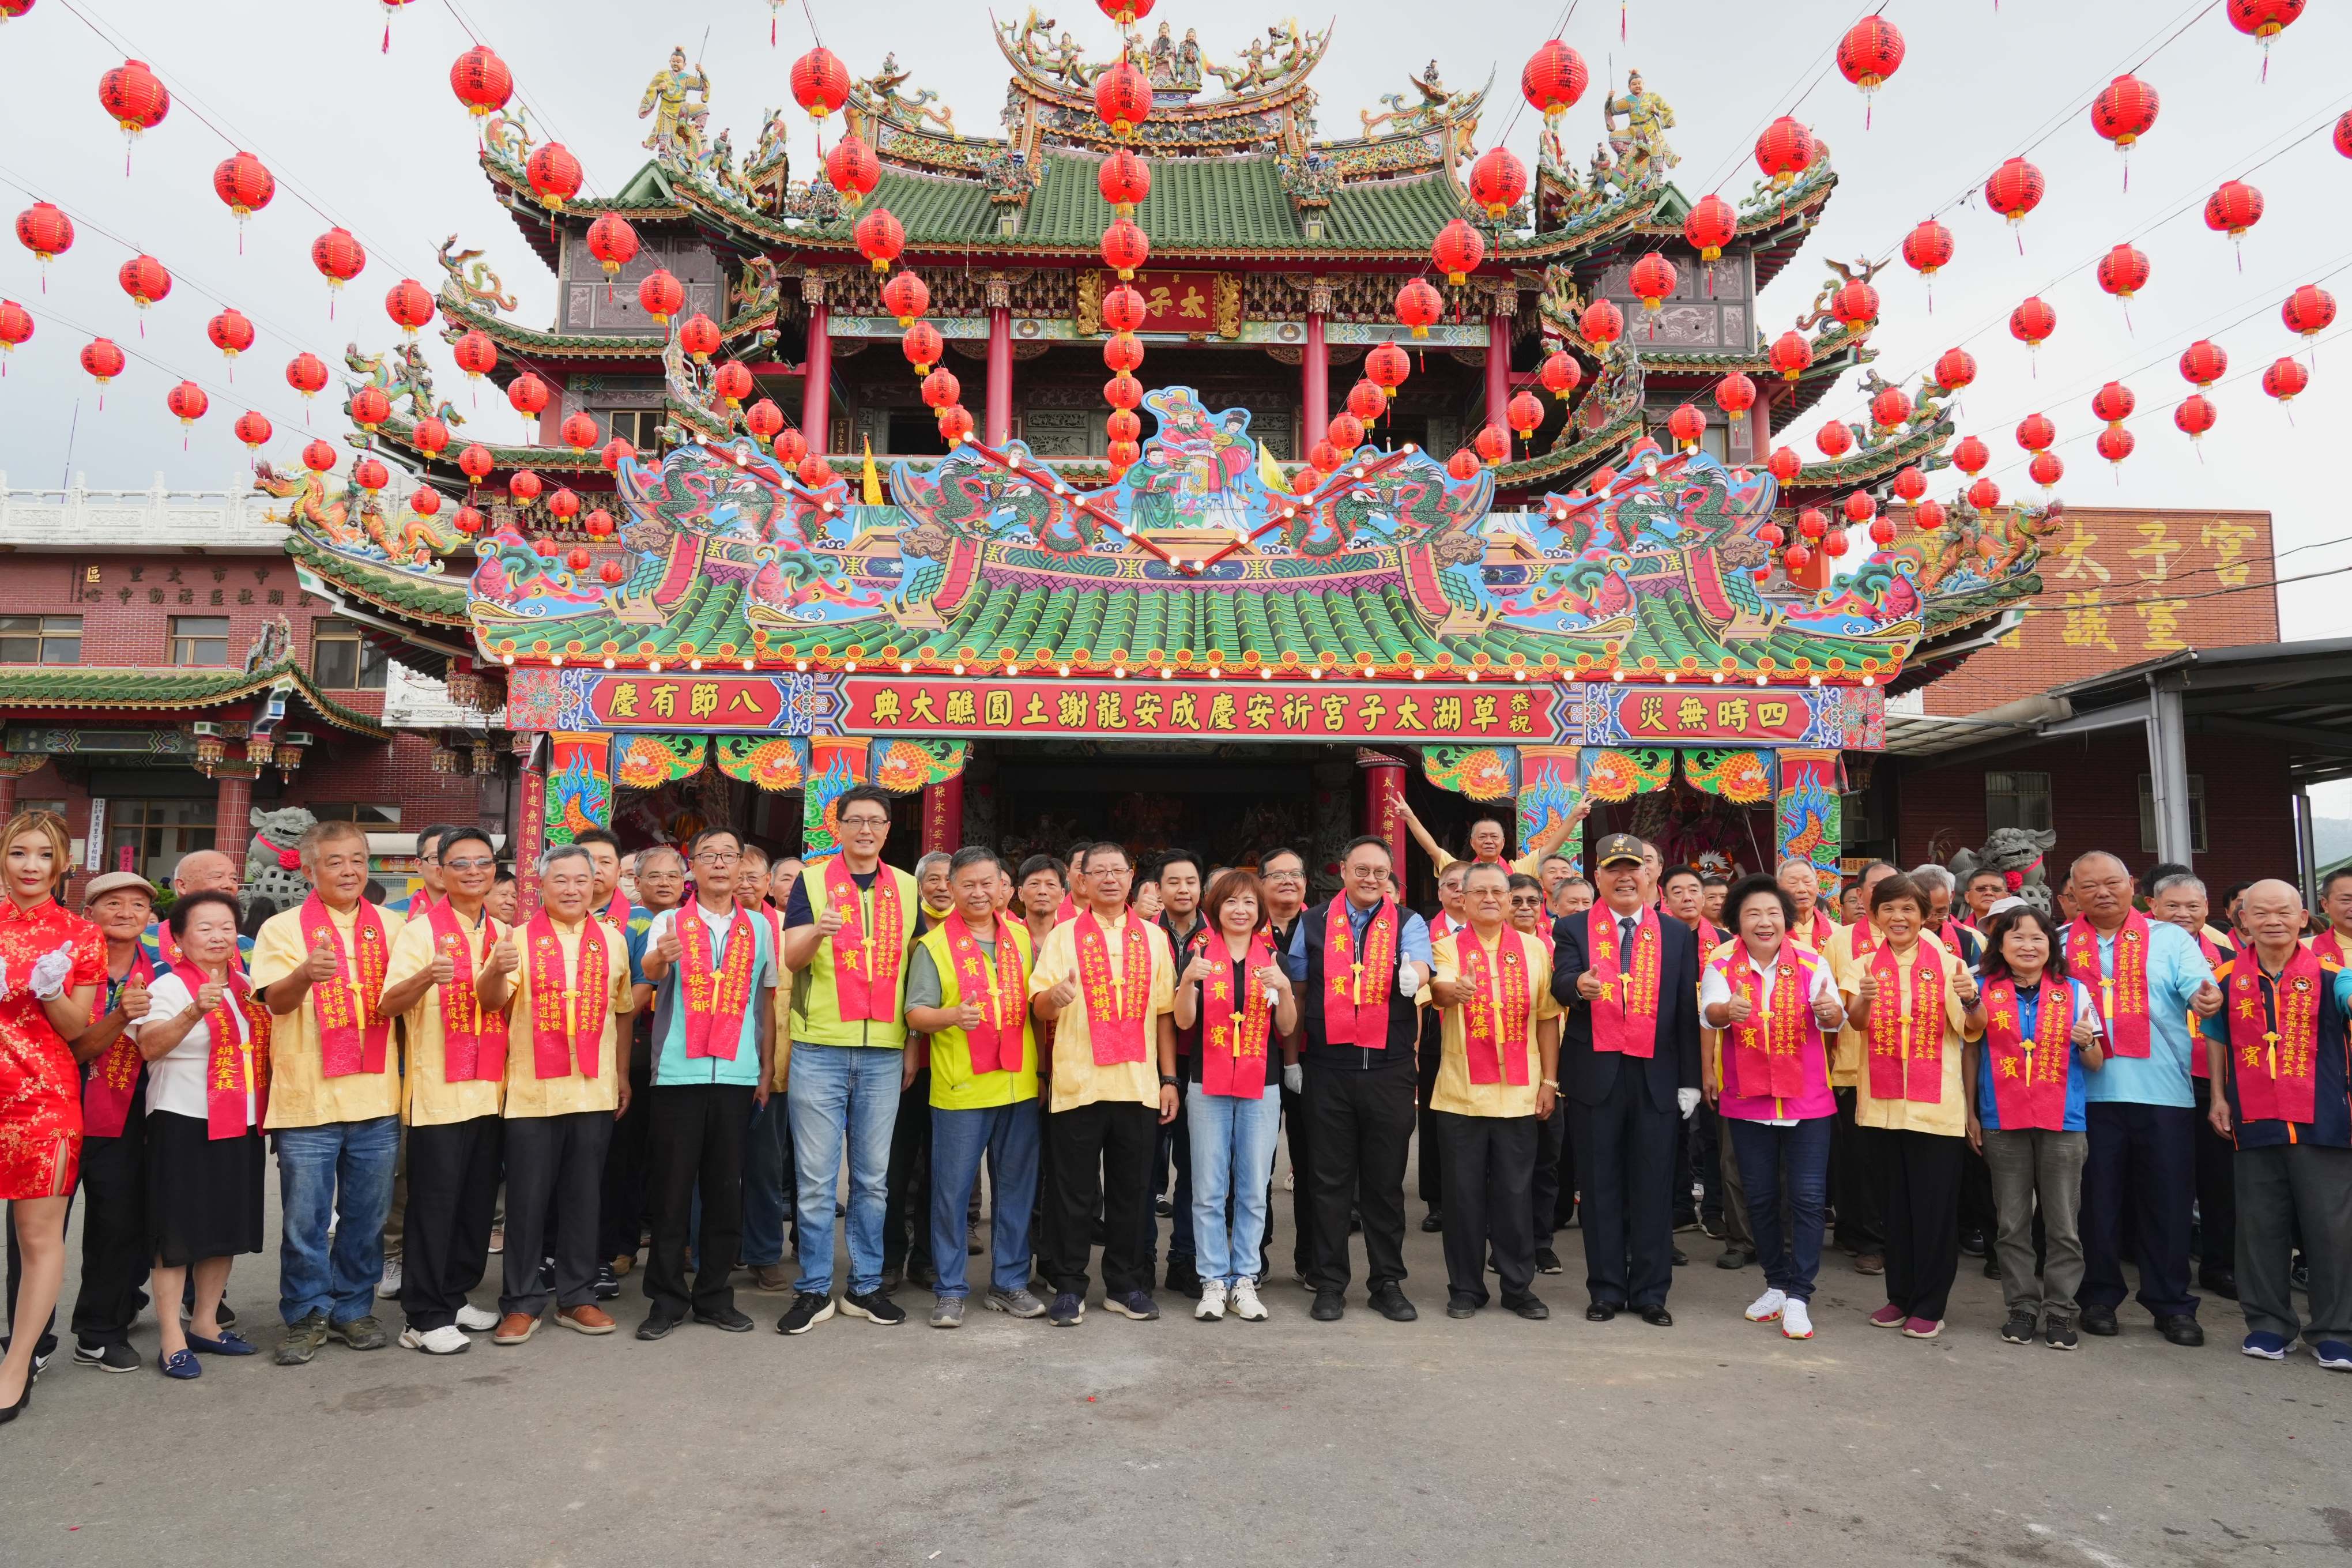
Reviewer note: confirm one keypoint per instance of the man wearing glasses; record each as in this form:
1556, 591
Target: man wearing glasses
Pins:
847, 931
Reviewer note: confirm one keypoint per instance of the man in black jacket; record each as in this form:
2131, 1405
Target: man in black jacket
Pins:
1629, 1068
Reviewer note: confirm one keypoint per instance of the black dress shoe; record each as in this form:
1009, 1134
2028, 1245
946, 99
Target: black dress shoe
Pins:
1328, 1306
1461, 1307
2099, 1320
1658, 1317
1184, 1278
1972, 1242
1681, 1257
2181, 1329
1600, 1311
1991, 1267
2222, 1282
1735, 1257
1433, 1221
1390, 1303
1531, 1308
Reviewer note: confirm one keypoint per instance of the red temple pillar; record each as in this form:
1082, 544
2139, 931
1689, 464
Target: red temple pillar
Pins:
999, 429
1315, 371
1384, 792
1504, 305
528, 836
233, 810
816, 384
943, 816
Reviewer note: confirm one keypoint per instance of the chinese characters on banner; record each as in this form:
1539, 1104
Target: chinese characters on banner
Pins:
1178, 302
1709, 717
1292, 711
691, 701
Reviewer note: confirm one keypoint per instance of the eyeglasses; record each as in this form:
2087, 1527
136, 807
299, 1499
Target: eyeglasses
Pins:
865, 821
468, 865
715, 857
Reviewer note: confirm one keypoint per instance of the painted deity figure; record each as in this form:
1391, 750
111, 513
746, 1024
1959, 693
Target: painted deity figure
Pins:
678, 124
1641, 143
1198, 465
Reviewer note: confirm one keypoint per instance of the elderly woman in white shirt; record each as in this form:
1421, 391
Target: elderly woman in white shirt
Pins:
206, 1041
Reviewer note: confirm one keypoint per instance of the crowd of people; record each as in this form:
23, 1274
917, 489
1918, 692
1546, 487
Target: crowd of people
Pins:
680, 1052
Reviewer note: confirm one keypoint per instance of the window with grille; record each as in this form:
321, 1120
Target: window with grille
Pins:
370, 814
2196, 814
2016, 799
640, 427
342, 659
40, 639
199, 639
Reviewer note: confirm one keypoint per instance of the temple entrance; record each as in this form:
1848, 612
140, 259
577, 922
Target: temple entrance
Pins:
1230, 804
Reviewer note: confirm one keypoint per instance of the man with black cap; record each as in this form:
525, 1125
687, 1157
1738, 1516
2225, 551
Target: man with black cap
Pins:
1630, 1068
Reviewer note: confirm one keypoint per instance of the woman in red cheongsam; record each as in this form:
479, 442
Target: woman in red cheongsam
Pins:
51, 965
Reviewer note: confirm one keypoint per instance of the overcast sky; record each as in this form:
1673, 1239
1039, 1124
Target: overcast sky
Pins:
376, 141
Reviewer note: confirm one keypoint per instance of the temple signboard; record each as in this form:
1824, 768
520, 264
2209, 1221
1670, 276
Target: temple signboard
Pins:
1235, 709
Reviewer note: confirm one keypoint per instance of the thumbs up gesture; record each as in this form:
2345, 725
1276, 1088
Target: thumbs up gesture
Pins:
1066, 992
444, 969
671, 948
968, 1017
1739, 1009
132, 1000
1866, 989
505, 957
208, 995
323, 962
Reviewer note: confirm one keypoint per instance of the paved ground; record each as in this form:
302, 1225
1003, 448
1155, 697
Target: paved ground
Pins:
1291, 1442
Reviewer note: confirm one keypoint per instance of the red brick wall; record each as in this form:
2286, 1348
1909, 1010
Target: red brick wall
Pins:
2095, 803
2117, 590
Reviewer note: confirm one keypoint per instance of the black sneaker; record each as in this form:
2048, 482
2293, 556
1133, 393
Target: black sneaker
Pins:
1531, 1308
1711, 1228
875, 1306
1461, 1307
1184, 1278
726, 1318
809, 1309
2100, 1321
1068, 1311
547, 1276
1547, 1261
1390, 1303
225, 1316
107, 1358
2058, 1334
1972, 1242
1681, 1257
1163, 1208
1136, 1304
2019, 1329
1330, 1307
608, 1284
658, 1325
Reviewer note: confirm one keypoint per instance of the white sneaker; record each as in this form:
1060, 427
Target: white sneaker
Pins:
1796, 1323
1246, 1306
446, 1340
1767, 1306
1213, 1302
479, 1319
389, 1285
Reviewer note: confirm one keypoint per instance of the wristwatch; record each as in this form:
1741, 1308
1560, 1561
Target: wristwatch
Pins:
1169, 1080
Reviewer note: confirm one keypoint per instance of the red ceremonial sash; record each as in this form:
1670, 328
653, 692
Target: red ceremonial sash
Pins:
567, 1022
1906, 1042
1442, 926
1496, 1019
114, 1077
619, 910
714, 991
351, 1038
999, 990
2276, 1063
1350, 1016
1114, 1003
1232, 1048
1625, 1016
1819, 931
232, 1064
1766, 1055
2197, 1065
1066, 911
871, 991
2029, 1076
473, 1042
2123, 996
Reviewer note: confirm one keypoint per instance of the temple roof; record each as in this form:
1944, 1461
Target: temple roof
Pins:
168, 692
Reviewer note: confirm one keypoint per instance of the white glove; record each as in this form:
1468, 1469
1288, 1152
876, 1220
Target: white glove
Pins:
1294, 1077
49, 972
1409, 978
1688, 1100
3, 979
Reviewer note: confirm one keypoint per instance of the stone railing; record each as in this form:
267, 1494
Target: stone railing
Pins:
79, 518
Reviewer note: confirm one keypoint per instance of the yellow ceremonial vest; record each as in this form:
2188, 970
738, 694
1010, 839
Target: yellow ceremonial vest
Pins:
816, 1017
954, 1085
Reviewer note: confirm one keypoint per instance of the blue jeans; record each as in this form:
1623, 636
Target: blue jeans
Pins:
1233, 1157
767, 1171
343, 1170
843, 1093
1791, 1163
1008, 1134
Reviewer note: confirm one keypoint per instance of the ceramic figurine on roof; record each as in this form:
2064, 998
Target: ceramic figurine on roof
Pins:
1641, 145
354, 523
678, 126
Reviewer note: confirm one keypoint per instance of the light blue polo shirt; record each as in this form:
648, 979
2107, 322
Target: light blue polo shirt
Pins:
2175, 969
671, 1065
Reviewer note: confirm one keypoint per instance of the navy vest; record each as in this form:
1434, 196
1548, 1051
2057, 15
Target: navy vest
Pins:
1404, 1025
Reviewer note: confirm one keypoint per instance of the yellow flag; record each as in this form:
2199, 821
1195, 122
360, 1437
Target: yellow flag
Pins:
1269, 472
872, 493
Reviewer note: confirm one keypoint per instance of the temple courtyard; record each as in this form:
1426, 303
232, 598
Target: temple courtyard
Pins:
1293, 1442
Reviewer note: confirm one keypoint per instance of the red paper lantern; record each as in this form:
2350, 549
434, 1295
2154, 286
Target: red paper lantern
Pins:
562, 505
906, 297
2343, 133
1601, 480
698, 336
941, 388
2195, 415
1970, 454
1553, 79
2015, 189
318, 456
1602, 324
1458, 250
338, 258
2115, 444
1124, 249
2123, 114
853, 169
244, 186
307, 374
1791, 355
1652, 279
1123, 425
1785, 151
481, 81
230, 332
1324, 458
476, 462
554, 174
1386, 367
1493, 443
369, 408
763, 420
2113, 402
820, 82
1123, 98
1859, 509
1784, 465
2284, 378
2204, 362
1735, 395
1561, 375
1926, 249
1125, 180
524, 486
527, 394
253, 429
1797, 559
598, 524
880, 237
613, 243
2032, 323
1834, 439
1812, 524
1855, 306
47, 231
424, 500
1882, 532
187, 403
1123, 352
1955, 368
1368, 402
2308, 312
578, 557
145, 279
1929, 515
545, 548
1463, 466
409, 306
955, 423
1525, 412
578, 432
476, 354
2236, 207
1686, 423
922, 346
1835, 545
1890, 408
1123, 391
1498, 181
467, 521
661, 294
430, 437
134, 99
2035, 433
1909, 484
1871, 51
15, 327
1418, 306
2263, 20
1984, 494
1346, 433
1123, 308
610, 570
370, 475
1122, 455
2047, 469
1709, 225
2122, 271
732, 381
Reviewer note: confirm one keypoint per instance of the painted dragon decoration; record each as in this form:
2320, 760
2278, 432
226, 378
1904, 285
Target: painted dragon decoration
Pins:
353, 522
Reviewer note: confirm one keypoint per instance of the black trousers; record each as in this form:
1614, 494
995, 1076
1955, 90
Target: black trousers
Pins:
1977, 1213
444, 1243
555, 1179
695, 1136
1298, 1131
1679, 1179
907, 1200
1544, 1183
1363, 1124
1706, 1141
1102, 1160
621, 1224
1922, 1205
114, 1254
1624, 1159
2217, 1191
2296, 1193
1489, 1172
1564, 1207
2143, 1165
1857, 1180
1430, 1164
